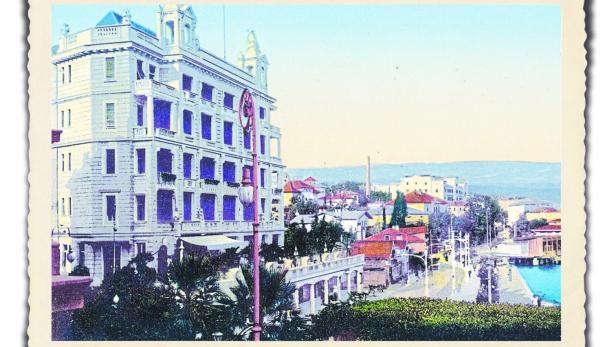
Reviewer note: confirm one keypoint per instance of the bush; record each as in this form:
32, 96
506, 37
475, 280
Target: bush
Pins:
80, 270
404, 319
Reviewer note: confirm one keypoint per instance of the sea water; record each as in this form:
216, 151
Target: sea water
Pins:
543, 281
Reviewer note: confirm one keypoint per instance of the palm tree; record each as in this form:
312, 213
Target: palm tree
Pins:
193, 284
279, 318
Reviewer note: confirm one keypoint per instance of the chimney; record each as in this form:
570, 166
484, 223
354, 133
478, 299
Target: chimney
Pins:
368, 178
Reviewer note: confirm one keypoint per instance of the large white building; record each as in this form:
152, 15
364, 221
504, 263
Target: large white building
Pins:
446, 188
151, 150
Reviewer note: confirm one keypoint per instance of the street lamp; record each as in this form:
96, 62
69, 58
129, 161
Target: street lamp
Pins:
249, 196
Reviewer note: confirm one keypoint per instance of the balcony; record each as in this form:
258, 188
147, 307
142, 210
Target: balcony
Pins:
148, 86
162, 132
308, 271
166, 179
140, 132
228, 226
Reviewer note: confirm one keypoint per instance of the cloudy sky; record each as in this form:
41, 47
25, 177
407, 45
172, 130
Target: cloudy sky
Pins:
402, 83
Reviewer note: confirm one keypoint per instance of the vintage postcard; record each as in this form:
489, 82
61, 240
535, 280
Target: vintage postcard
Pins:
222, 171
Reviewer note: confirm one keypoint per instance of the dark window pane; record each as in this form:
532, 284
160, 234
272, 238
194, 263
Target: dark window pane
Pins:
187, 122
261, 112
262, 144
228, 133
207, 168
228, 100
110, 161
246, 139
187, 206
164, 206
140, 160
208, 205
206, 91
187, 165
111, 207
228, 172
162, 114
140, 207
164, 160
206, 126
186, 82
140, 115
228, 207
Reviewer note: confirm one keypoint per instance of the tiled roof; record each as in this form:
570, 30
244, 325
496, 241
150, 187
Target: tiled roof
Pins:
409, 234
419, 198
548, 228
544, 210
373, 249
298, 186
310, 179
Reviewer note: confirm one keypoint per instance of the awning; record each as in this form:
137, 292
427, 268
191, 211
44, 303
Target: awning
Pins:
214, 242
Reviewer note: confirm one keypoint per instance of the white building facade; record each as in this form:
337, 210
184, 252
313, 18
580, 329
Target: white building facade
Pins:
446, 188
151, 151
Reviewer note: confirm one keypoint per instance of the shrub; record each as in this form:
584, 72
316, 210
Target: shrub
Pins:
404, 319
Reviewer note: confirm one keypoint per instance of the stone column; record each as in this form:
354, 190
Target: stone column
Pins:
313, 308
296, 299
348, 283
359, 284
338, 288
149, 114
326, 292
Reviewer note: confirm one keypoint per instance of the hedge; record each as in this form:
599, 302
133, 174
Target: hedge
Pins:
405, 319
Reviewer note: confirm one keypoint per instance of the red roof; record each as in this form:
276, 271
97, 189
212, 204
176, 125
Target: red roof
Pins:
297, 186
548, 228
310, 179
372, 248
415, 235
419, 198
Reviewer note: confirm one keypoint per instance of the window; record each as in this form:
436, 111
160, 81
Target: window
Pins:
152, 72
262, 177
109, 68
61, 119
69, 118
164, 206
187, 122
140, 201
70, 206
188, 206
186, 83
386, 237
228, 133
228, 100
62, 161
262, 112
228, 172
207, 168
140, 247
248, 212
262, 144
70, 73
110, 208
140, 160
187, 165
140, 115
275, 239
206, 91
110, 161
246, 139
62, 208
110, 115
140, 73
206, 126
228, 207
62, 69
262, 205
208, 206
70, 166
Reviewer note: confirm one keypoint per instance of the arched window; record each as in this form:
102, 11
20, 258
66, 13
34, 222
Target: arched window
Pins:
169, 33
186, 35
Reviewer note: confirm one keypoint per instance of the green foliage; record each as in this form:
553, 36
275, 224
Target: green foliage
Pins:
323, 236
398, 216
279, 318
300, 206
80, 270
380, 196
537, 223
412, 319
481, 209
352, 186
438, 225
271, 252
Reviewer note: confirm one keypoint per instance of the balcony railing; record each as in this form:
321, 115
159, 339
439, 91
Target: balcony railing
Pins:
165, 132
318, 269
166, 179
140, 132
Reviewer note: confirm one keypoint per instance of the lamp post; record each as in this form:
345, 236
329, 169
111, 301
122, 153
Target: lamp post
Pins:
250, 195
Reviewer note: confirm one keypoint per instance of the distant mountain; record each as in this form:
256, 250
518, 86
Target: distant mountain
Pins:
504, 178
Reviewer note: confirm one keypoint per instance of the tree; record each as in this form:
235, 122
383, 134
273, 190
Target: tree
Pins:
271, 252
128, 306
538, 223
301, 206
521, 227
279, 317
384, 219
475, 220
438, 225
380, 196
398, 216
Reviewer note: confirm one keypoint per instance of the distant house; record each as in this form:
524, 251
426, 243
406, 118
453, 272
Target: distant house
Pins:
386, 262
423, 202
299, 190
355, 222
517, 208
547, 229
413, 216
458, 208
344, 199
414, 238
307, 219
547, 213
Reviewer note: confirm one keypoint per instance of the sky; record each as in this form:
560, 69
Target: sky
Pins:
401, 83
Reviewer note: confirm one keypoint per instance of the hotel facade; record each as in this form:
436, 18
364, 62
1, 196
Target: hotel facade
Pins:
147, 147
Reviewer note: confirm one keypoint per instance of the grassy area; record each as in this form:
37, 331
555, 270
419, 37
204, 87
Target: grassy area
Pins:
403, 319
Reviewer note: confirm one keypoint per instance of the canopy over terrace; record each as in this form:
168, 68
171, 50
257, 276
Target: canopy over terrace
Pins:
214, 242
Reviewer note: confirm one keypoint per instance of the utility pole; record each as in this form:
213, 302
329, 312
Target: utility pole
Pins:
489, 284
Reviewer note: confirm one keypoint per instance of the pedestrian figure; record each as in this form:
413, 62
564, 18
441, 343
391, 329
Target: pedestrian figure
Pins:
538, 301
469, 273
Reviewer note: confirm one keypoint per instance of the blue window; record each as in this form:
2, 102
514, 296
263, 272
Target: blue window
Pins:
228, 207
261, 112
186, 82
262, 144
162, 114
164, 206
140, 160
262, 205
248, 212
228, 100
110, 161
208, 205
164, 160
262, 177
110, 208
228, 133
140, 115
207, 168
187, 122
140, 207
187, 206
228, 172
187, 165
247, 139
206, 91
206, 126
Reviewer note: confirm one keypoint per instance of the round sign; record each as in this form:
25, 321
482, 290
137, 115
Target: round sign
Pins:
247, 110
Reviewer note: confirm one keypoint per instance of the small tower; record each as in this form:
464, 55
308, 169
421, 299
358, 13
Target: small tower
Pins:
176, 27
253, 61
368, 178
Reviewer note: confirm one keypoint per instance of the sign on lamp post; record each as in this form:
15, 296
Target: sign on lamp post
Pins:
249, 195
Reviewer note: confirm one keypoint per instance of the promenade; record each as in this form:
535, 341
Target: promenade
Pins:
511, 286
